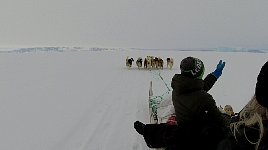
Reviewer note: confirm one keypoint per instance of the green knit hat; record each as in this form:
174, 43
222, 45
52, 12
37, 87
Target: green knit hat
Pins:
192, 67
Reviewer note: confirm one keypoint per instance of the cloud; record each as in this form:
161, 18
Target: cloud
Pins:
126, 23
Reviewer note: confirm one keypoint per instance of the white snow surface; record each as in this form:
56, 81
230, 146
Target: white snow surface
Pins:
89, 100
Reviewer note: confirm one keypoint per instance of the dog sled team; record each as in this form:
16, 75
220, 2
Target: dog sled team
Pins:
197, 123
149, 62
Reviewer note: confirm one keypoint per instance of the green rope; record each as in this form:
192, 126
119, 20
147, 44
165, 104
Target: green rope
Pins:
156, 100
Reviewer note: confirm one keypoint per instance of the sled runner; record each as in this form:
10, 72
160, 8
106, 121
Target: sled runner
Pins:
152, 106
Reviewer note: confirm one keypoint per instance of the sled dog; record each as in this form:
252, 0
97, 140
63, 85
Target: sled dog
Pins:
129, 62
139, 62
169, 63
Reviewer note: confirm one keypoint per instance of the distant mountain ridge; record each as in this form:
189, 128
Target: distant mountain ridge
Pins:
70, 49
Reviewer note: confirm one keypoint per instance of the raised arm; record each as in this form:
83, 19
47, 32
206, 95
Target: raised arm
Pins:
211, 78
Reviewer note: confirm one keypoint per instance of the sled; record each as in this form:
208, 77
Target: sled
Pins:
152, 106
159, 109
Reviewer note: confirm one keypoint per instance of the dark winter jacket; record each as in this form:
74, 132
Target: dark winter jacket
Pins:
194, 107
262, 86
199, 120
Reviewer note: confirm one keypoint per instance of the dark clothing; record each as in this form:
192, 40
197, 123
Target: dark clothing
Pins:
170, 136
262, 86
194, 107
159, 135
243, 135
173, 137
200, 123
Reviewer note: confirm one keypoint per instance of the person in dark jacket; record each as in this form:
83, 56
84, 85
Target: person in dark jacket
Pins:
250, 126
262, 86
199, 120
190, 98
196, 110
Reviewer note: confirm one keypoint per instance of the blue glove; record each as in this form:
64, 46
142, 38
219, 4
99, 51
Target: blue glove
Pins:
217, 73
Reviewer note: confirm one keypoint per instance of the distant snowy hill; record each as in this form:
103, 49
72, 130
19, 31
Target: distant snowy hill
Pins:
65, 49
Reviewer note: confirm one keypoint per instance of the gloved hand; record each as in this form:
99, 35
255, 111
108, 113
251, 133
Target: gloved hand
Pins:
217, 73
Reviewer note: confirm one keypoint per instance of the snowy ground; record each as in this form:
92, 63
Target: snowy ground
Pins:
88, 100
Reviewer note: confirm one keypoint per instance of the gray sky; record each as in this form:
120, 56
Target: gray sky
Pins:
135, 23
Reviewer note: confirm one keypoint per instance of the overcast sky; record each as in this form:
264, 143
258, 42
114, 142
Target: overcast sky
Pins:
135, 23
